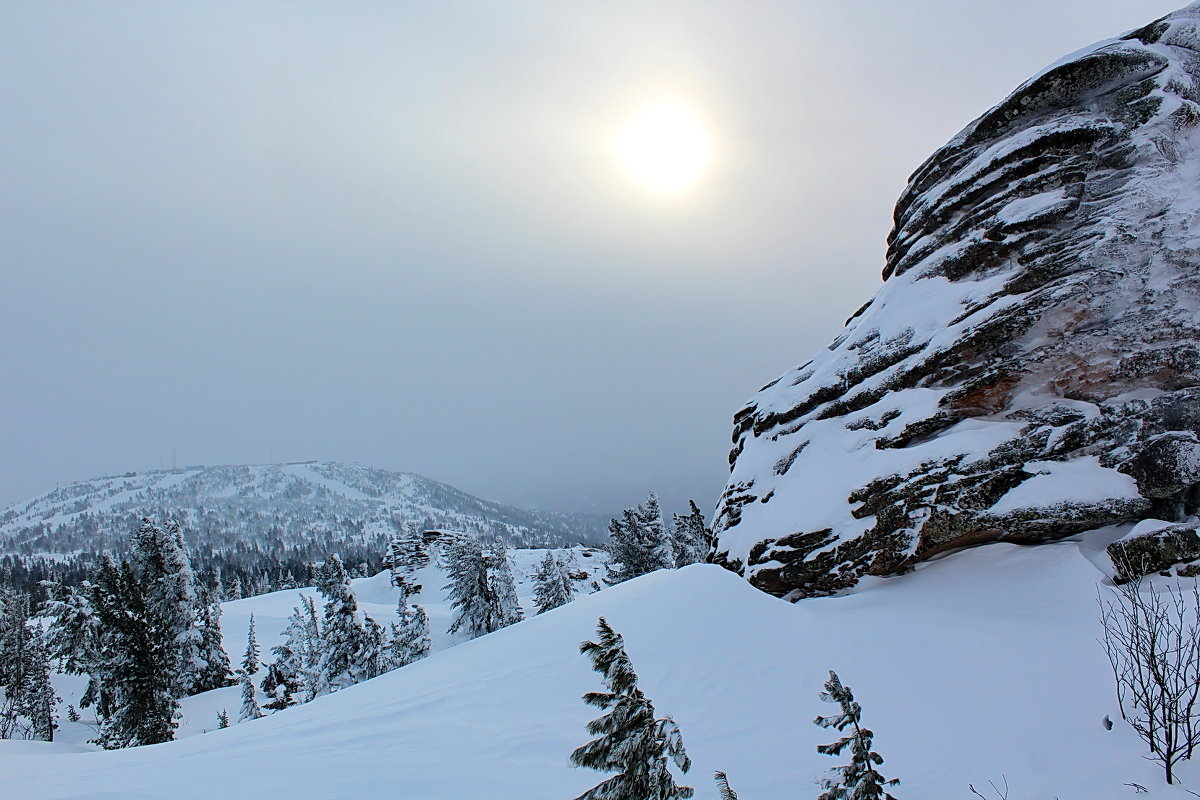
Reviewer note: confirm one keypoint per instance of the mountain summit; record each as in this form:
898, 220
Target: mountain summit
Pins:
1030, 368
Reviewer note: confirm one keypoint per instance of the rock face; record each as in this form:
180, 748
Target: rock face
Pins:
1030, 368
1155, 546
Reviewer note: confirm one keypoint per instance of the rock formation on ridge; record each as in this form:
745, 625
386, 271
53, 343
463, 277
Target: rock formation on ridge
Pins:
1030, 368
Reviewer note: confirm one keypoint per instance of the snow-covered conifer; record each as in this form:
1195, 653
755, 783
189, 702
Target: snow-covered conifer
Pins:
170, 595
39, 698
470, 593
222, 719
858, 780
215, 671
250, 708
481, 588
508, 608
638, 542
294, 671
250, 659
27, 699
77, 639
15, 640
409, 640
691, 536
377, 658
631, 742
143, 696
553, 586
344, 641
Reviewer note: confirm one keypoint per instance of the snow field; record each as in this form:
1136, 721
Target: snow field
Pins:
979, 665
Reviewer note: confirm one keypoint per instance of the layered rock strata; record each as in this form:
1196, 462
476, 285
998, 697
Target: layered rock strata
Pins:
1030, 368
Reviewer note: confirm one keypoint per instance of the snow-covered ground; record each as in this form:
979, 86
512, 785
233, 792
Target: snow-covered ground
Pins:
979, 666
376, 596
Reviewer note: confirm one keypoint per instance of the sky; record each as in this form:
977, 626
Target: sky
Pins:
401, 234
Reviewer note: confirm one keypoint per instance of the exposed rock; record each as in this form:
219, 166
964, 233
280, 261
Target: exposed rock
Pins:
1156, 548
1030, 368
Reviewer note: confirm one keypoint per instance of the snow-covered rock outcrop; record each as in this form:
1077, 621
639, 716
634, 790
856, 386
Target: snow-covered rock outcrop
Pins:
1030, 368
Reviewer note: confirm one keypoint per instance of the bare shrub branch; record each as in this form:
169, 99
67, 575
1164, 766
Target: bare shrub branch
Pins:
1152, 640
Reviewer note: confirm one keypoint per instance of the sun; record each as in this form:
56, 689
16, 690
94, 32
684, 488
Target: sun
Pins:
666, 147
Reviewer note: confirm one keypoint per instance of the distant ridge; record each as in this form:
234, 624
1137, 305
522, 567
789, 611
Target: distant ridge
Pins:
272, 505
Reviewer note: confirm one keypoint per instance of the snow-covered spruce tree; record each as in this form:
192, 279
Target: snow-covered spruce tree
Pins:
553, 586
345, 645
27, 699
250, 659
508, 608
691, 536
481, 588
143, 699
409, 640
171, 600
215, 671
378, 654
638, 542
858, 780
292, 677
250, 708
77, 640
280, 686
222, 719
631, 741
15, 640
39, 700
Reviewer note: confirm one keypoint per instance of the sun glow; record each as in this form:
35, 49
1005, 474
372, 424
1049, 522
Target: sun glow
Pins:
666, 147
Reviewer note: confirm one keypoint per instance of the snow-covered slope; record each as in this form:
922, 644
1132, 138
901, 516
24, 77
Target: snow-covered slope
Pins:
1031, 366
376, 597
979, 665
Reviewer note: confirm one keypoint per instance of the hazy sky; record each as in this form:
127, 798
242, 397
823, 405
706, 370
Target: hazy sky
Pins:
395, 233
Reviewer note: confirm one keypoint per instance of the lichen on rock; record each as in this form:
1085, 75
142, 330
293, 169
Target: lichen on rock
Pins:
1156, 548
1030, 368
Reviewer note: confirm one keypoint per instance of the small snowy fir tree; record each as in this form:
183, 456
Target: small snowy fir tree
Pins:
631, 741
292, 677
638, 542
377, 658
553, 586
222, 719
250, 708
691, 536
858, 780
344, 640
250, 659
409, 640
